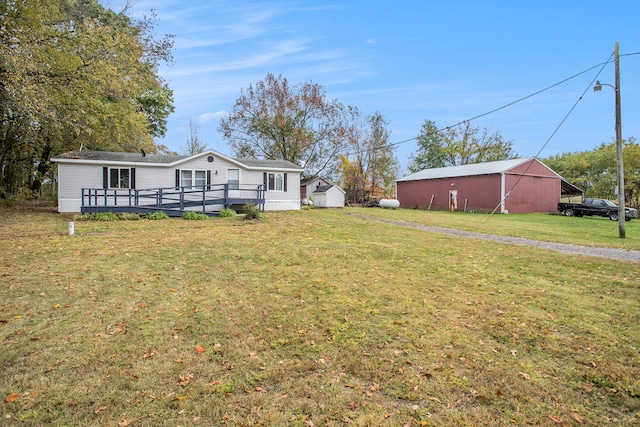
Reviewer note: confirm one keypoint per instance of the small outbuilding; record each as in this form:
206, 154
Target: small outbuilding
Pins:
328, 196
308, 186
506, 186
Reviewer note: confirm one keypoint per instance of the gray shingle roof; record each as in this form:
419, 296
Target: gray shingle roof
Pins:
322, 188
110, 156
262, 163
120, 157
486, 168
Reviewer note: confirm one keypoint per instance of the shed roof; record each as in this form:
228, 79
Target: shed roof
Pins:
487, 168
325, 188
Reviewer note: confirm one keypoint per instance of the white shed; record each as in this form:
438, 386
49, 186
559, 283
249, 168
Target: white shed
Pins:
328, 196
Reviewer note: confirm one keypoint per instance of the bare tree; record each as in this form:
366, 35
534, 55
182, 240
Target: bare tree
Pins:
194, 145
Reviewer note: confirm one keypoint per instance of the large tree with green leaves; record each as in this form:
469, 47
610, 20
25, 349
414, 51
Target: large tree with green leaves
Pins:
370, 167
275, 120
595, 171
72, 74
458, 145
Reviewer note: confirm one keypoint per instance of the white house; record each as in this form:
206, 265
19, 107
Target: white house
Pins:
90, 181
328, 196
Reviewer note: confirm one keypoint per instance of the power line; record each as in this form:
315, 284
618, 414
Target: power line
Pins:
564, 119
603, 64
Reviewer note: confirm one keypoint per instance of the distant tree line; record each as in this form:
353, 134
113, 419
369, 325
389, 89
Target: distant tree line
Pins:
595, 171
75, 74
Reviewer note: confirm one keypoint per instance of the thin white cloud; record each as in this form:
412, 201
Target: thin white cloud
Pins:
278, 50
209, 117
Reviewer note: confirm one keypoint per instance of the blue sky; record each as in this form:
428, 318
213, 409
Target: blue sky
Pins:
442, 60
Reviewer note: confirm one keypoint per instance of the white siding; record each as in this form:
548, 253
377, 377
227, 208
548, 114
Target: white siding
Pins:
72, 178
332, 198
283, 200
335, 198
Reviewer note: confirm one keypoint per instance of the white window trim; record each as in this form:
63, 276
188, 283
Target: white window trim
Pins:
118, 187
275, 180
193, 178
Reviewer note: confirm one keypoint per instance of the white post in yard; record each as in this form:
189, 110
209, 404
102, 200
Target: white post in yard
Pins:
71, 228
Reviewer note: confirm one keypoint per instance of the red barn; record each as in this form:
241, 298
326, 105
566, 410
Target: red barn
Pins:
506, 186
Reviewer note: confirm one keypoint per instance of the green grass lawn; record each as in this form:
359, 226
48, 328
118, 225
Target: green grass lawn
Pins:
315, 318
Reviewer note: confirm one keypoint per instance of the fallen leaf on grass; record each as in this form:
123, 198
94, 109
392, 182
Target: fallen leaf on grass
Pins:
100, 409
124, 423
261, 390
577, 417
525, 376
185, 380
200, 349
149, 354
555, 419
12, 397
118, 328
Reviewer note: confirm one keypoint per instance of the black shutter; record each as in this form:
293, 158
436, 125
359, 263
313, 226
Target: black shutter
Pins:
208, 180
285, 182
105, 177
133, 178
177, 178
264, 179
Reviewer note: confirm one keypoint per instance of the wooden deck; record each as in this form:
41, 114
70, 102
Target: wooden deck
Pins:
173, 201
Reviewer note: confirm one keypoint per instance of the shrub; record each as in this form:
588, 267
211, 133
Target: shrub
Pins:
129, 216
157, 215
97, 216
82, 217
194, 216
227, 213
251, 211
8, 202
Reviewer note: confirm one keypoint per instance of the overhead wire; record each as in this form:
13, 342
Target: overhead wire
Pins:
564, 119
394, 144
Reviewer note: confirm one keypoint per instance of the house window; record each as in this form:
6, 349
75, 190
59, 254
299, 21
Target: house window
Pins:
200, 178
186, 178
275, 182
119, 178
191, 179
233, 179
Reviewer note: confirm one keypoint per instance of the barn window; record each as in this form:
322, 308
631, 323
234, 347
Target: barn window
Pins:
119, 178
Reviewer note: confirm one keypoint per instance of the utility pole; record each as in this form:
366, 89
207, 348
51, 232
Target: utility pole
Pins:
621, 216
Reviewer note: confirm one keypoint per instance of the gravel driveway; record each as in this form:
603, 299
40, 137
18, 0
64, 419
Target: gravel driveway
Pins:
610, 253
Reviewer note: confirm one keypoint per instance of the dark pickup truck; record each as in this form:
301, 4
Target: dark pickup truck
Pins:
596, 207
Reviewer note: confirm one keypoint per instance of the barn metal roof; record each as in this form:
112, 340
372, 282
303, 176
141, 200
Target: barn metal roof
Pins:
487, 168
